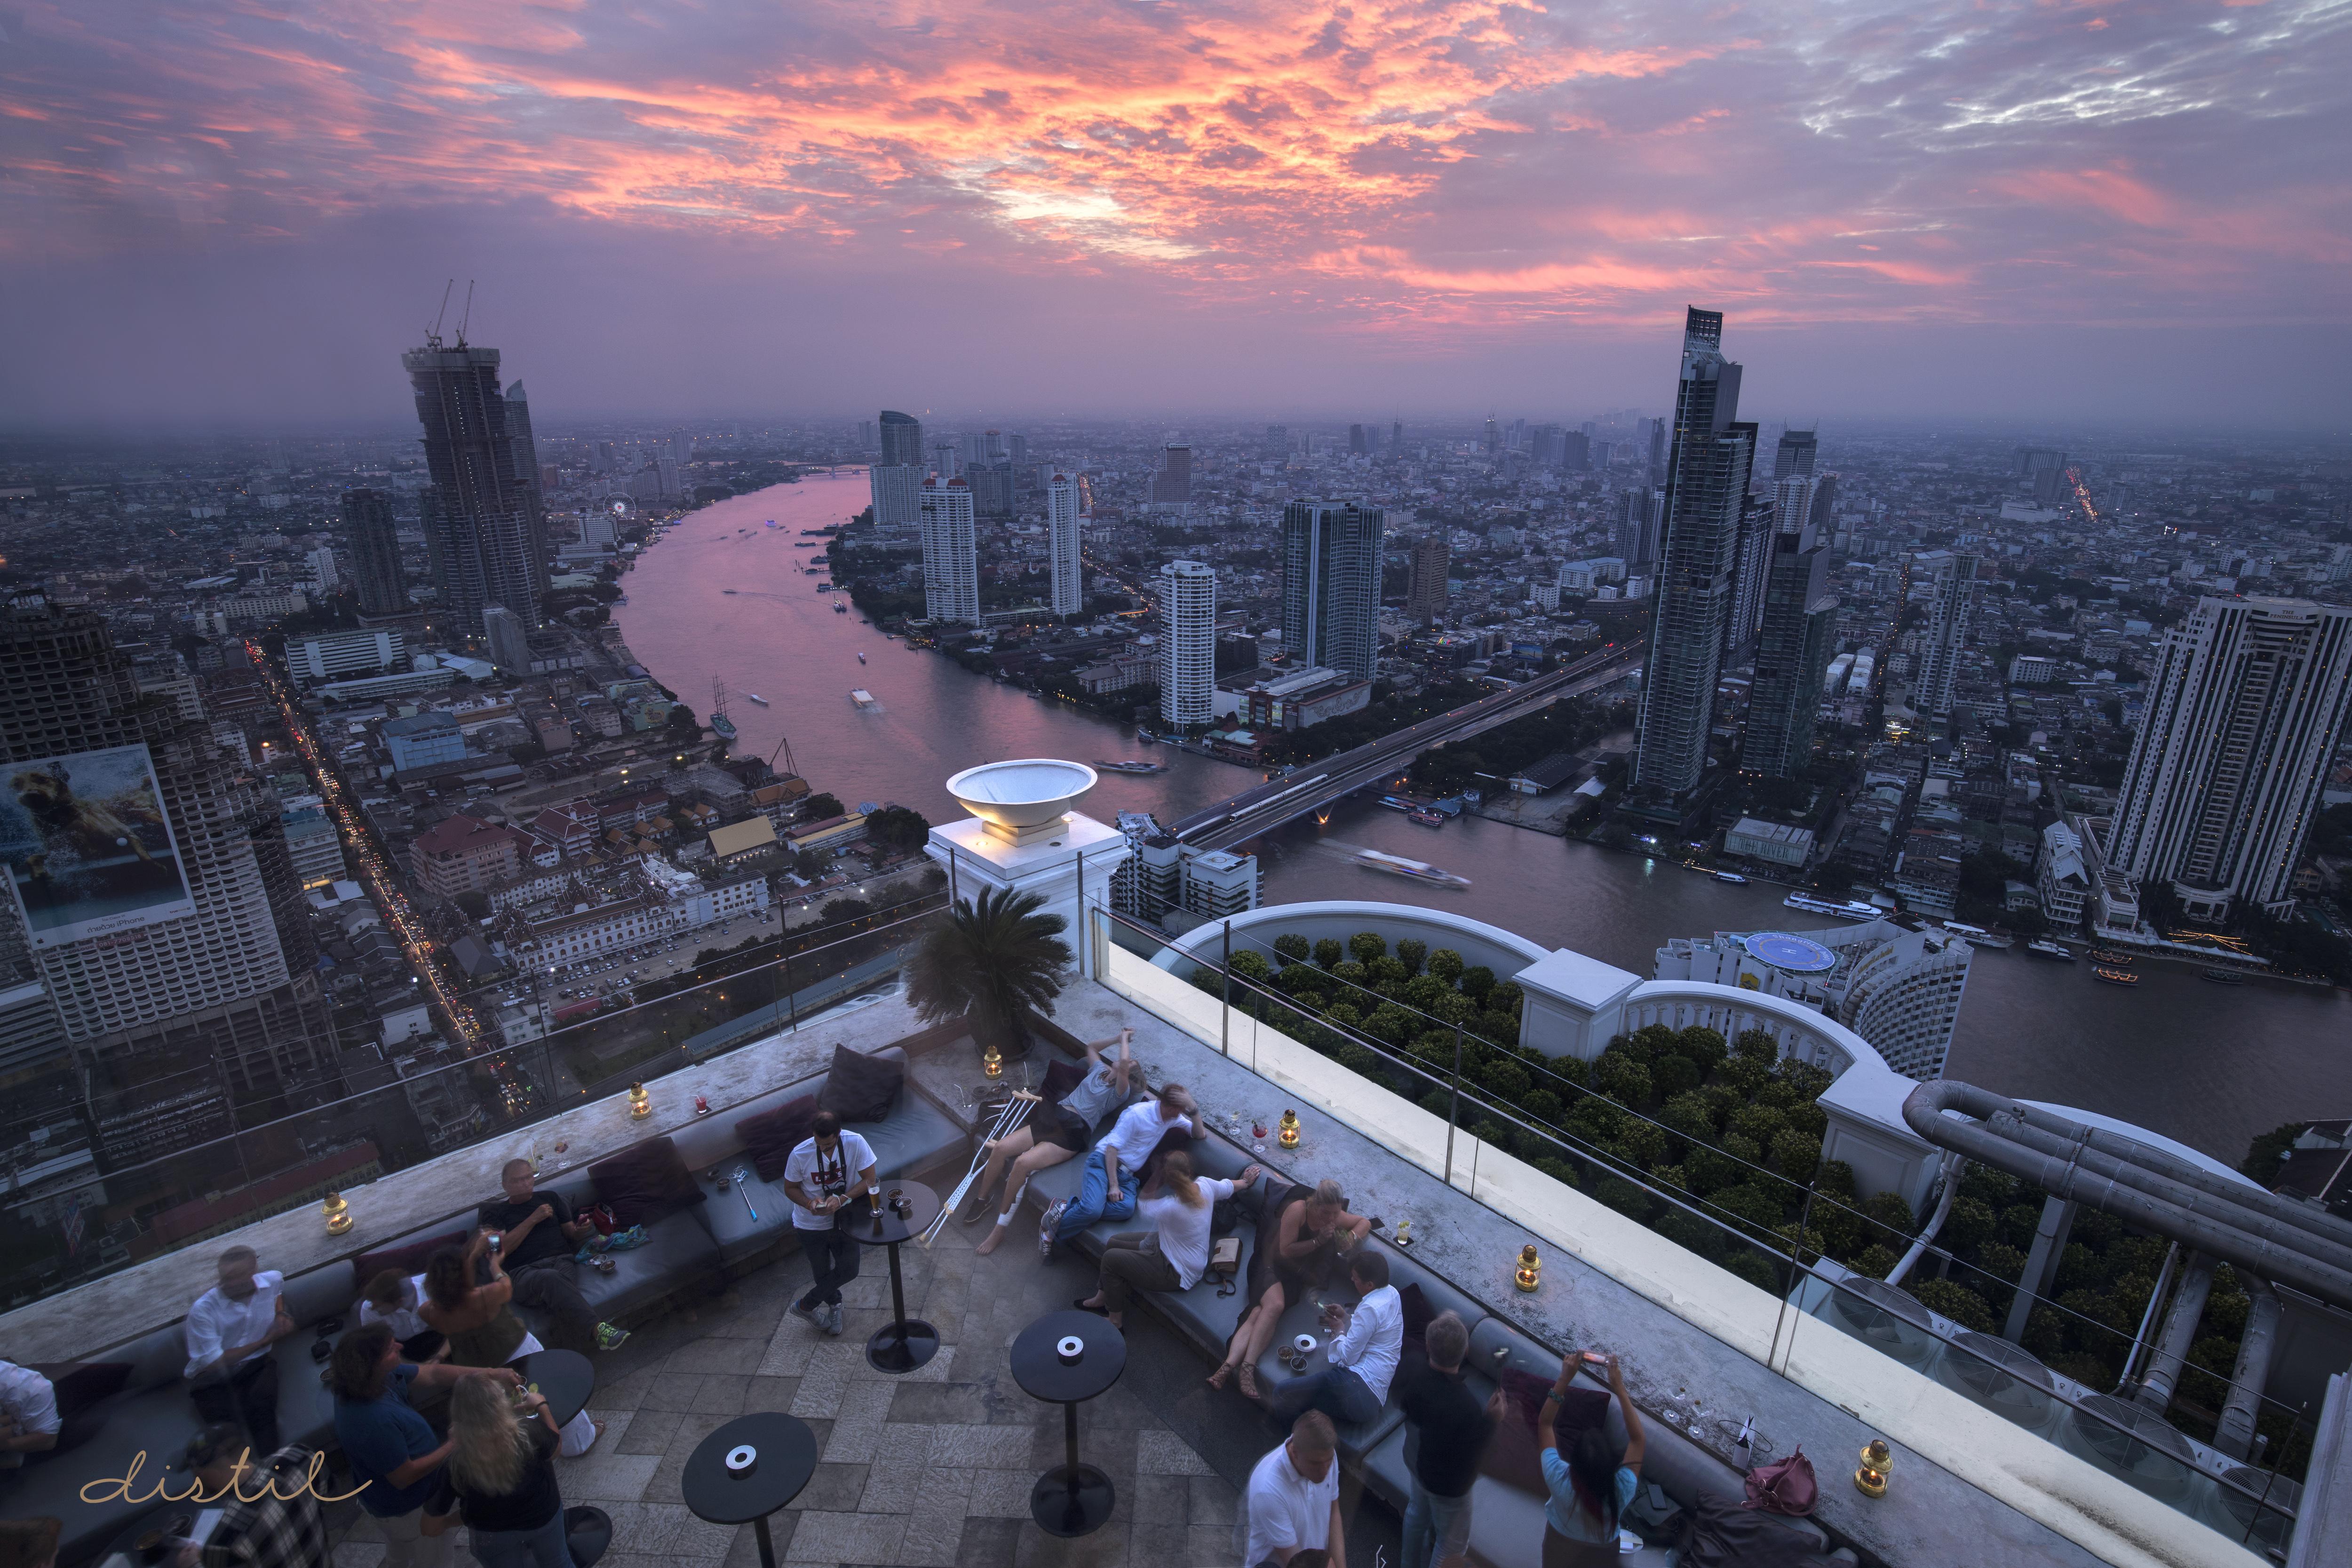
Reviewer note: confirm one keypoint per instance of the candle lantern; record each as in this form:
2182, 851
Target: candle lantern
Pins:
338, 1212
1289, 1139
1877, 1463
1528, 1274
991, 1061
641, 1104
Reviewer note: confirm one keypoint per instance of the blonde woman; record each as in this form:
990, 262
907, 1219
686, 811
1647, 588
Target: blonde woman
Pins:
501, 1478
1302, 1235
1171, 1255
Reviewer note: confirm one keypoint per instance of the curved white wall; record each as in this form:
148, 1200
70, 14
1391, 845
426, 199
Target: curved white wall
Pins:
1730, 1010
1478, 942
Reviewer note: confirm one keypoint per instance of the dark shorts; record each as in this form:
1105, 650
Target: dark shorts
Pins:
1052, 1126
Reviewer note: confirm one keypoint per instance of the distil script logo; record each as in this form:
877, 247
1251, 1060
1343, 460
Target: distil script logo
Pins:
114, 1489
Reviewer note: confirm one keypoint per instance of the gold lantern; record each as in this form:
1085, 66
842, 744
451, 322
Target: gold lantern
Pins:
1528, 1274
1288, 1138
641, 1104
991, 1061
338, 1212
1877, 1462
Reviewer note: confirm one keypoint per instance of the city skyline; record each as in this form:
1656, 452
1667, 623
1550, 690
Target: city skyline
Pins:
742, 213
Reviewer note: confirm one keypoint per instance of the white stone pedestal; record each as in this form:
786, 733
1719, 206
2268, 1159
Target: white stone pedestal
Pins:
1070, 869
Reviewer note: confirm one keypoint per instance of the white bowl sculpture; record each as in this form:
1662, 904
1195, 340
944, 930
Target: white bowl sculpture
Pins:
1024, 801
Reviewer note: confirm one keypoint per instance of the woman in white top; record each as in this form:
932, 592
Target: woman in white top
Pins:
1054, 1133
1171, 1255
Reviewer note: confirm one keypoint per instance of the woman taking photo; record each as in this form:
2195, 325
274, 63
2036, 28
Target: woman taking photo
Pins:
1591, 1483
479, 1323
1173, 1253
1301, 1238
501, 1478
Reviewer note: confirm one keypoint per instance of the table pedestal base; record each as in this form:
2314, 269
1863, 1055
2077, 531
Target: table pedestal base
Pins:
902, 1346
1071, 1499
587, 1532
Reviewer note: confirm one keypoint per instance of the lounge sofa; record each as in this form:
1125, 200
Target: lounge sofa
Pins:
696, 1248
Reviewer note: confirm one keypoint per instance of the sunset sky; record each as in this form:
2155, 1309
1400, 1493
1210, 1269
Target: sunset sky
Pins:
242, 210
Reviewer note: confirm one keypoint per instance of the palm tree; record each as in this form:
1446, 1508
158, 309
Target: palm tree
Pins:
992, 959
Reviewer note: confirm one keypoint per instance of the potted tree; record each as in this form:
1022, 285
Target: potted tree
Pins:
991, 960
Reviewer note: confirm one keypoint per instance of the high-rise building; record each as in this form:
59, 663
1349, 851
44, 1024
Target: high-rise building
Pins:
1792, 648
2245, 704
1188, 643
991, 487
1707, 492
902, 440
507, 638
1016, 452
1426, 600
1755, 554
896, 490
1396, 438
200, 964
1331, 585
1951, 614
481, 518
375, 553
1794, 458
1658, 453
947, 458
1356, 442
1635, 536
1575, 452
950, 554
1493, 435
526, 460
1063, 544
1172, 487
865, 439
1276, 444
323, 570
2043, 470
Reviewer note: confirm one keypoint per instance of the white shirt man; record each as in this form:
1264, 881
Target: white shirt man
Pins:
1373, 1339
1292, 1502
28, 1414
1363, 1355
230, 1329
231, 1374
824, 1173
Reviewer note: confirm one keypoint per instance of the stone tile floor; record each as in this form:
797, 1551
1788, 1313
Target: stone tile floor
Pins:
933, 1467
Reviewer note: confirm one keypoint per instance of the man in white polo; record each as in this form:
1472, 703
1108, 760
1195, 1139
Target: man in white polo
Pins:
1292, 1503
820, 1177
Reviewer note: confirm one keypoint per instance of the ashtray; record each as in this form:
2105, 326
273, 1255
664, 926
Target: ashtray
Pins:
1069, 1349
740, 1458
1304, 1344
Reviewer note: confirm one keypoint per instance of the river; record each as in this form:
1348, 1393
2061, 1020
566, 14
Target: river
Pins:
725, 597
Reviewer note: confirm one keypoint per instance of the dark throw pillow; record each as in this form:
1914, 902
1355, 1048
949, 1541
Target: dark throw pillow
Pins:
78, 1388
407, 1260
771, 1137
860, 1087
1417, 1314
1062, 1078
645, 1184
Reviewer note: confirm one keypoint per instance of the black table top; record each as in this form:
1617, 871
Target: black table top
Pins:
786, 1460
856, 1216
1038, 1369
566, 1377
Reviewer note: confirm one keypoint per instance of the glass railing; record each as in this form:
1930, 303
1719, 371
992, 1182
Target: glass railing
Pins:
1437, 1076
186, 1154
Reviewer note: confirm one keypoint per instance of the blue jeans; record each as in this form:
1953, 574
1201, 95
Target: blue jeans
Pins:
1431, 1525
1336, 1392
523, 1548
1093, 1202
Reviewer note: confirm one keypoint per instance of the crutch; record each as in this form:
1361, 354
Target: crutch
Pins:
1008, 1121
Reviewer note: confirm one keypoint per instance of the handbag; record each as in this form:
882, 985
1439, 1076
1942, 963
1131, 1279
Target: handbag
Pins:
1785, 1486
1224, 1264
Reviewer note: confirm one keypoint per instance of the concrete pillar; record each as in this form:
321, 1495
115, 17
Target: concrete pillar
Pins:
2234, 1434
2179, 1333
2041, 1264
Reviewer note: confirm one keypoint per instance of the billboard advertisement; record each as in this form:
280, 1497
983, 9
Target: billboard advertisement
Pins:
86, 848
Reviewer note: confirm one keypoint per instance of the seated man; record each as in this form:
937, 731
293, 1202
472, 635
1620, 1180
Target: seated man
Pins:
30, 1423
270, 1515
538, 1237
1054, 1133
1116, 1165
1371, 1340
231, 1374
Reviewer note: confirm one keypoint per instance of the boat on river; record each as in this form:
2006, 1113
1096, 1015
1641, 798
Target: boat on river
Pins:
2116, 976
2043, 947
1426, 819
862, 696
1734, 878
1844, 910
2109, 956
2221, 977
840, 607
861, 655
723, 726
757, 698
1419, 871
1131, 766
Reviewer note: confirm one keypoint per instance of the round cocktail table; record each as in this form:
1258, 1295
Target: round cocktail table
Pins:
903, 1343
1071, 1498
565, 1378
747, 1470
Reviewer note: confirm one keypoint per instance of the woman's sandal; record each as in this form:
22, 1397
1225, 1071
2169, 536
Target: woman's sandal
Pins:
1217, 1378
1246, 1375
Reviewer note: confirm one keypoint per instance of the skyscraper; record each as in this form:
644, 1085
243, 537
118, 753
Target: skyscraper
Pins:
1188, 643
1276, 444
1658, 453
1332, 585
509, 643
375, 553
1426, 600
1951, 613
480, 513
1396, 438
950, 554
525, 452
1754, 552
1493, 435
1635, 537
896, 490
2245, 706
1356, 442
1172, 487
1063, 543
1707, 491
1792, 649
2043, 470
902, 440
1795, 457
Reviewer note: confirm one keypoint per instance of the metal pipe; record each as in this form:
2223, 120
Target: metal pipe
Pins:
2147, 1315
1935, 1222
2234, 1433
2179, 1332
2236, 1237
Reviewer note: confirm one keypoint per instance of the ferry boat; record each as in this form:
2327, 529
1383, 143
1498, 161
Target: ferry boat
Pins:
2048, 949
1399, 803
2105, 955
862, 696
1419, 871
2116, 976
1846, 910
727, 590
1731, 877
1131, 766
1426, 819
723, 726
757, 698
861, 655
2221, 977
1977, 936
840, 607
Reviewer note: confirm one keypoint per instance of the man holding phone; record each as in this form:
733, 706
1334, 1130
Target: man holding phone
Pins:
819, 1177
231, 1374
